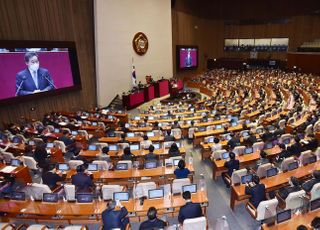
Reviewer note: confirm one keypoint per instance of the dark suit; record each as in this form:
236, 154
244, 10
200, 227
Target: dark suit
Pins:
284, 192
66, 140
115, 219
82, 182
307, 186
151, 157
295, 149
232, 165
257, 192
189, 210
168, 138
50, 178
233, 142
153, 224
24, 78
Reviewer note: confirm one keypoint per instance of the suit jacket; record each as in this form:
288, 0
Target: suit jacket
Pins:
152, 224
168, 138
257, 192
233, 142
151, 157
82, 182
307, 186
284, 192
49, 178
189, 210
232, 165
28, 85
113, 219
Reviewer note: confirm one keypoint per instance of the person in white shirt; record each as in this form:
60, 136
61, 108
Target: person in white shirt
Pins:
216, 146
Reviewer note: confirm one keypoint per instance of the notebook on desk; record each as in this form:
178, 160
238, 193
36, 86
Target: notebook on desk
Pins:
8, 169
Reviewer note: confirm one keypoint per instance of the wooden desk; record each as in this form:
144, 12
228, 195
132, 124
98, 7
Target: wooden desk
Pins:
21, 173
295, 221
245, 160
272, 183
110, 139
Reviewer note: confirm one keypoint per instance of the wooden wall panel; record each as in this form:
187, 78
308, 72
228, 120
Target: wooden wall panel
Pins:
52, 20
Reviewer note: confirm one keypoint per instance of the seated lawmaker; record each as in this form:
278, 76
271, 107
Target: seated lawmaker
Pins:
115, 219
181, 171
308, 185
82, 181
234, 141
190, 209
52, 177
127, 155
294, 187
174, 151
151, 156
263, 159
153, 221
66, 139
77, 156
169, 137
283, 154
216, 146
256, 190
296, 148
232, 165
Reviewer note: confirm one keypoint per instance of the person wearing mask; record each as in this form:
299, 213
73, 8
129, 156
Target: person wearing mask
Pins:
181, 171
174, 151
232, 165
52, 177
256, 190
82, 181
308, 185
294, 187
151, 156
153, 221
115, 219
169, 137
190, 209
127, 155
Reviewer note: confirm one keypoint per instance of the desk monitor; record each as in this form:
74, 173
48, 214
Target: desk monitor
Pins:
74, 133
192, 188
92, 147
56, 130
176, 162
142, 124
156, 145
286, 141
268, 145
84, 198
202, 129
111, 134
301, 136
137, 118
94, 123
228, 137
271, 128
151, 118
92, 167
233, 124
248, 150
63, 167
20, 196
121, 196
110, 117
245, 134
134, 147
225, 155
283, 216
50, 197
312, 159
150, 165
150, 134
246, 178
272, 172
16, 140
218, 126
130, 134
50, 145
122, 166
211, 140
155, 193
293, 165
247, 122
31, 143
315, 204
15, 162
259, 131
189, 122
113, 147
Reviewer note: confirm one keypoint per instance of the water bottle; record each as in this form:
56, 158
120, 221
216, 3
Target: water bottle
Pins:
222, 223
191, 160
202, 183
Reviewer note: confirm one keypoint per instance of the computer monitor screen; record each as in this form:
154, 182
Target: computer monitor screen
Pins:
150, 165
130, 134
283, 216
202, 129
155, 193
63, 167
272, 172
315, 204
136, 118
210, 140
21, 196
74, 133
16, 140
246, 178
15, 162
32, 143
225, 155
218, 126
92, 147
156, 145
84, 198
57, 130
228, 137
176, 162
259, 131
121, 196
192, 188
312, 159
271, 128
92, 167
234, 124
286, 141
268, 145
150, 134
151, 118
134, 147
245, 134
113, 147
122, 166
293, 165
50, 197
50, 145
248, 150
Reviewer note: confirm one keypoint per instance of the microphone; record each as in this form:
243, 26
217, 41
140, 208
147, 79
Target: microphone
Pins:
19, 88
50, 82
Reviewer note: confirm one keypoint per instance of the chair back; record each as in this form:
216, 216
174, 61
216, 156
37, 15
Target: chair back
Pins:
30, 162
178, 183
36, 190
285, 163
108, 190
70, 191
142, 189
102, 165
267, 209
295, 200
60, 145
315, 192
199, 223
236, 176
74, 163
258, 146
262, 170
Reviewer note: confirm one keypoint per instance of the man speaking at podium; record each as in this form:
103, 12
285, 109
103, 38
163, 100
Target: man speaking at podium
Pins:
33, 79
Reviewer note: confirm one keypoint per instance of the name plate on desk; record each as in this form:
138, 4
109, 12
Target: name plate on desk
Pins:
8, 169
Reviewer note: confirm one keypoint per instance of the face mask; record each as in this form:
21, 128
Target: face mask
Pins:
34, 67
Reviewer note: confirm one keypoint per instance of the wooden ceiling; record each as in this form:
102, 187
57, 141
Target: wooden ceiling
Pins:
247, 10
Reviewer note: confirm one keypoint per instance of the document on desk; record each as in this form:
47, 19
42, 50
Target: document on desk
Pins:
8, 169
